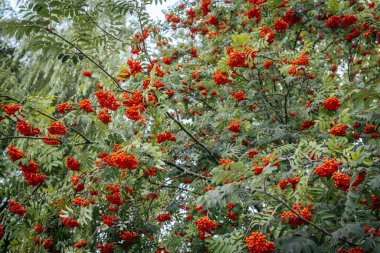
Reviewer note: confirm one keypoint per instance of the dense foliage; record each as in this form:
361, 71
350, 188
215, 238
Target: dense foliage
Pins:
233, 126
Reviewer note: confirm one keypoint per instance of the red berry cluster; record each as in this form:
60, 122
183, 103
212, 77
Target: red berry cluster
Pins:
328, 167
205, 225
80, 244
104, 117
105, 248
266, 33
64, 107
113, 194
163, 217
26, 129
86, 105
345, 21
230, 214
351, 250
151, 172
107, 100
10, 109
306, 125
239, 96
70, 223
16, 208
291, 218
123, 160
57, 128
236, 59
341, 181
87, 73
220, 79
72, 164
234, 126
1, 231
375, 202
255, 13
134, 66
280, 26
14, 153
256, 243
166, 136
108, 220
127, 236
32, 174
339, 129
331, 103
292, 181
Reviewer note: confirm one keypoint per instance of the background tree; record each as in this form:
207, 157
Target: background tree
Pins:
234, 126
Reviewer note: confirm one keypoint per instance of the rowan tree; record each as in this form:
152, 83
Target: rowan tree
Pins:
232, 126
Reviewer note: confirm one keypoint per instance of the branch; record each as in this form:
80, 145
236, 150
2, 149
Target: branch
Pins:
192, 137
96, 24
50, 117
185, 170
29, 137
302, 218
89, 58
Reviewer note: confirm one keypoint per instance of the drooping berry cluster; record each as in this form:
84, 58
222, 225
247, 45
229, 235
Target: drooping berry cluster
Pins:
291, 218
32, 174
10, 109
234, 126
72, 164
163, 217
70, 223
220, 79
165, 136
107, 100
128, 236
86, 105
16, 208
123, 160
328, 167
204, 226
331, 103
26, 129
292, 181
57, 128
341, 181
113, 194
80, 244
257, 243
339, 129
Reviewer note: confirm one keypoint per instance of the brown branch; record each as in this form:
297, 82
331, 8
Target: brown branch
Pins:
185, 170
29, 137
192, 137
301, 217
89, 58
50, 117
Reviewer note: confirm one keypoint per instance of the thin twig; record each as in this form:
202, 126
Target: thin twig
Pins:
50, 117
89, 58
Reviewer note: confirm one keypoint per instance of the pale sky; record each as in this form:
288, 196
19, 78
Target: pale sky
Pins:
155, 11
